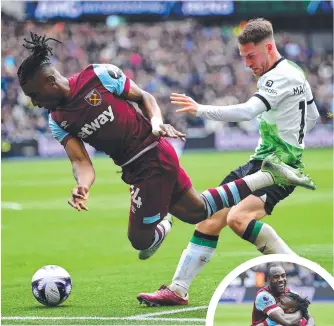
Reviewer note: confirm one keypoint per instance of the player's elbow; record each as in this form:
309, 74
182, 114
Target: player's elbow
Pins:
317, 116
143, 97
147, 104
147, 97
313, 113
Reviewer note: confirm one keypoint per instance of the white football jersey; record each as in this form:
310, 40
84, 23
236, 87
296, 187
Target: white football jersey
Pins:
286, 93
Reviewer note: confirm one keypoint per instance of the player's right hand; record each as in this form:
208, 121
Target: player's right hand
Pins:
167, 130
186, 102
79, 198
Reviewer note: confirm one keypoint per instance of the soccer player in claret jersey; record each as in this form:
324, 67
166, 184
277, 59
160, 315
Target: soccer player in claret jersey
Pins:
93, 106
272, 306
286, 112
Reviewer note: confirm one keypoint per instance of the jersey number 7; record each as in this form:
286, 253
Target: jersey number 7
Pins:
302, 106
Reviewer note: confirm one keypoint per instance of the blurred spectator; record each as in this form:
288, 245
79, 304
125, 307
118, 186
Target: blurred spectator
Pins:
165, 57
297, 275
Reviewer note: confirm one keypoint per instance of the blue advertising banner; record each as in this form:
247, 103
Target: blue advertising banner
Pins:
42, 10
74, 9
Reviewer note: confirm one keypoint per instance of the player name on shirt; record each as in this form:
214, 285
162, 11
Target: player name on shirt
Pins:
299, 90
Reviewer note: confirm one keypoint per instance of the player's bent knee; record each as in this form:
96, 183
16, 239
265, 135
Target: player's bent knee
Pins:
237, 221
140, 243
192, 218
190, 208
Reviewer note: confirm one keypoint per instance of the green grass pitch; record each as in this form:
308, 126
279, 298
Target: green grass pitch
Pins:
93, 245
241, 314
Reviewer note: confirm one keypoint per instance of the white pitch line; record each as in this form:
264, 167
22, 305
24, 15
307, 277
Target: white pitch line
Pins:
168, 312
198, 320
11, 205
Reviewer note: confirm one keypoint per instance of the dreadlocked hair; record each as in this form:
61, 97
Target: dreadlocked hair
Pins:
301, 303
38, 59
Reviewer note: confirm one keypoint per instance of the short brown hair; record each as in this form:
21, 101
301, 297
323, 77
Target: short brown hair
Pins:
256, 30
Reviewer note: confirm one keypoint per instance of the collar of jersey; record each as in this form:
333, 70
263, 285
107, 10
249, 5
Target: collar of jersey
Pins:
276, 63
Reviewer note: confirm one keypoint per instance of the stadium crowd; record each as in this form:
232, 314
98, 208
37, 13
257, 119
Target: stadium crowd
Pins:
165, 57
297, 275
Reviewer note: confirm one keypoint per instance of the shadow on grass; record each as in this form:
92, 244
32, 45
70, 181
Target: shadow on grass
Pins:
41, 308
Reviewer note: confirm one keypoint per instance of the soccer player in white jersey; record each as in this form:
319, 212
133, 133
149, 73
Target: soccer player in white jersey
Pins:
286, 112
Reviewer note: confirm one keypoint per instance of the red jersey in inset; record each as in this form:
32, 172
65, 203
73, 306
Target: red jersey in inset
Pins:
264, 302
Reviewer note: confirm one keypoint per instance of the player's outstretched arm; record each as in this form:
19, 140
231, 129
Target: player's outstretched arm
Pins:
83, 172
151, 110
234, 113
283, 319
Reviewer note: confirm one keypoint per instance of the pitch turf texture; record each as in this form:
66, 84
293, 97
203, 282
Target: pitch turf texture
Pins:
240, 314
39, 228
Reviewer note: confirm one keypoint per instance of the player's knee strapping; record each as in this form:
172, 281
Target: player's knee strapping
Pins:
226, 195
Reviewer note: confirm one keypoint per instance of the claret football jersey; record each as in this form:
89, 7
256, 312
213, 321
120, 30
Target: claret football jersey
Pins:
97, 114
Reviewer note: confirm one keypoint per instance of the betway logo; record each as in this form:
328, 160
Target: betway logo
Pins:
90, 128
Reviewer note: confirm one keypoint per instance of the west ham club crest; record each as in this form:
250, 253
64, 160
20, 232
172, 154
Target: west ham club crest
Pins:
93, 98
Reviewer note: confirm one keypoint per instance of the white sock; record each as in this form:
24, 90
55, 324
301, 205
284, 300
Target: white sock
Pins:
192, 261
161, 230
268, 242
258, 180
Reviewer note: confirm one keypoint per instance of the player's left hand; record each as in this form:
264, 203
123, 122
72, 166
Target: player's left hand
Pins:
79, 198
167, 130
186, 102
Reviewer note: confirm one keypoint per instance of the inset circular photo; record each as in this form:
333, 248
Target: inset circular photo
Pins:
275, 290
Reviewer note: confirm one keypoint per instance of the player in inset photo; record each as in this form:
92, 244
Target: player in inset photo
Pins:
293, 302
274, 294
276, 305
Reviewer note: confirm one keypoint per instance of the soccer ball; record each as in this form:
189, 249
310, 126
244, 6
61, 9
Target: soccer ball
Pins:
51, 285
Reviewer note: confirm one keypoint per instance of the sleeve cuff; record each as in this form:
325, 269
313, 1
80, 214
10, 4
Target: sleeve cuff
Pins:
200, 111
310, 102
65, 140
263, 99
